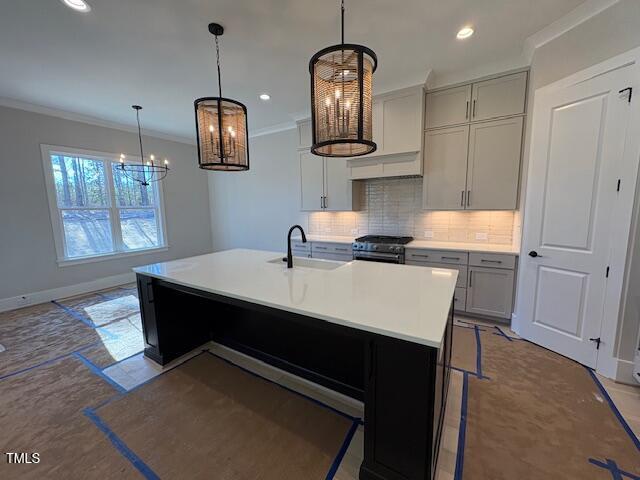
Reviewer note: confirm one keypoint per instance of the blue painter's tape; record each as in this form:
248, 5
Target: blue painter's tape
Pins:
612, 466
311, 399
462, 370
343, 450
478, 353
502, 334
47, 362
126, 452
615, 410
75, 314
97, 371
462, 433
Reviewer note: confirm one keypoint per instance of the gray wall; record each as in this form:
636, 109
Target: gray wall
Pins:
28, 260
610, 33
255, 209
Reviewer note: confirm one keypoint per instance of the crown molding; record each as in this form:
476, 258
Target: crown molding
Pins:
78, 117
279, 127
575, 17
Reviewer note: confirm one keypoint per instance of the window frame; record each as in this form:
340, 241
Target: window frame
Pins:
119, 250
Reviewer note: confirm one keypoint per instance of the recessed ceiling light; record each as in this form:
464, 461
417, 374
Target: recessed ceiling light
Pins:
77, 5
265, 96
465, 32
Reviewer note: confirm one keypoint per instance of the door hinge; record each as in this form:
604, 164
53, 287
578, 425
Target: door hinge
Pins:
630, 90
607, 274
597, 341
618, 188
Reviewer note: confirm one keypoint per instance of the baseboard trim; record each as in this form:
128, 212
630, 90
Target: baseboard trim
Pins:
624, 373
43, 296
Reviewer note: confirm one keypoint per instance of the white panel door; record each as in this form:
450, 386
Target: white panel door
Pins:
494, 164
578, 142
499, 97
448, 107
337, 186
311, 181
445, 168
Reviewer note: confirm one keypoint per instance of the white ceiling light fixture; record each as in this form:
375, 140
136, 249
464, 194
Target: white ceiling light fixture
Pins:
265, 96
464, 32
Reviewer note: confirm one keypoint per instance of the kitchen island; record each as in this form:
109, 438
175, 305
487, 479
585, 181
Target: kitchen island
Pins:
380, 333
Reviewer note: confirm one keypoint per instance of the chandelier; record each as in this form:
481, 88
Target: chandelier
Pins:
341, 78
146, 171
221, 126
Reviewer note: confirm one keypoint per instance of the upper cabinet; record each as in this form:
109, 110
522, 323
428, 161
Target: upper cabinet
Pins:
397, 131
304, 134
494, 164
499, 97
325, 184
473, 145
448, 107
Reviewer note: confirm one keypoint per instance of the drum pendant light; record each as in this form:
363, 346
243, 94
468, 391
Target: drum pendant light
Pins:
221, 126
341, 78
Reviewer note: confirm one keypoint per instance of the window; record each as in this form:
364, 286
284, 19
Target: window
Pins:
96, 210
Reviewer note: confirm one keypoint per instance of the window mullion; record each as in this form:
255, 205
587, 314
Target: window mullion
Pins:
114, 214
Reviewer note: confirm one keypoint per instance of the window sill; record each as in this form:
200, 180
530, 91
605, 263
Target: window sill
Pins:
110, 256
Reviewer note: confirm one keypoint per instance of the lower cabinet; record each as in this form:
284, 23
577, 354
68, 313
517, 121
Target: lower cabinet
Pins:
332, 251
485, 280
490, 292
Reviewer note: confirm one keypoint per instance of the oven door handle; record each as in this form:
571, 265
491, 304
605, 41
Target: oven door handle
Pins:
390, 258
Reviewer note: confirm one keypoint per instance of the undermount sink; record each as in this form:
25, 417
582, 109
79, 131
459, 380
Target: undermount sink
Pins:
301, 262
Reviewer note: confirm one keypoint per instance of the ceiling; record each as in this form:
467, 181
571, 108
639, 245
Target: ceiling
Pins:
159, 54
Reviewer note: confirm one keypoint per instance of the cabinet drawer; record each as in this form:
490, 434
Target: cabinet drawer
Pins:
299, 245
460, 299
437, 256
340, 257
462, 270
495, 260
339, 248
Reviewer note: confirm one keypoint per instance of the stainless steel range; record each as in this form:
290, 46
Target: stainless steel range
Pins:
380, 248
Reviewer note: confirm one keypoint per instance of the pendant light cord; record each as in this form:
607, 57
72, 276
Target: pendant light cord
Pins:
218, 64
139, 135
342, 20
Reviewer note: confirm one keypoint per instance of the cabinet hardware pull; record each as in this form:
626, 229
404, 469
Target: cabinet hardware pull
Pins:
321, 248
468, 198
470, 277
341, 249
491, 261
466, 111
325, 202
321, 203
450, 258
474, 109
462, 198
419, 255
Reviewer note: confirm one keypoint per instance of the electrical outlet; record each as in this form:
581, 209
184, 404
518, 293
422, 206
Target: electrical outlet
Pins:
2, 349
482, 236
428, 234
23, 300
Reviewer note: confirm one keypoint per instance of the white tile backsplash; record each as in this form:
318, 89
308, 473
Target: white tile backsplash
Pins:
393, 206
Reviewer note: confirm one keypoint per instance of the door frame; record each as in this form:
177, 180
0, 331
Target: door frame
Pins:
607, 361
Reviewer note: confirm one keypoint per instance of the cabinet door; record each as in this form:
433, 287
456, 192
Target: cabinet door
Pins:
311, 181
337, 186
445, 168
490, 292
494, 165
499, 97
448, 107
402, 123
304, 134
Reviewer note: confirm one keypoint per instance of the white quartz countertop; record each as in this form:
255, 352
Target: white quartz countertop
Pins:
431, 245
400, 301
